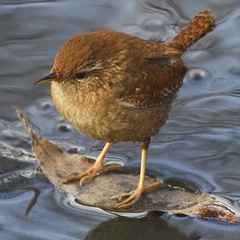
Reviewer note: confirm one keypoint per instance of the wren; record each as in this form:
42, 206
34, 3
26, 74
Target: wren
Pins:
115, 87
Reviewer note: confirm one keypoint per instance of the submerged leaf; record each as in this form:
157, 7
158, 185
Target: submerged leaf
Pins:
57, 164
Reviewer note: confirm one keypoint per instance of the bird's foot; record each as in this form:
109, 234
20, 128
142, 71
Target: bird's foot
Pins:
134, 195
91, 173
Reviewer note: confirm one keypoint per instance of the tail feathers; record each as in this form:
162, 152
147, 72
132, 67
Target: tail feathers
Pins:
197, 28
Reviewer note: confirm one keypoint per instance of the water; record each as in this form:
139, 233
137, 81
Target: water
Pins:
199, 143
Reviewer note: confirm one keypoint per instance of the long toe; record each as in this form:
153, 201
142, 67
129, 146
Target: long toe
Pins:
84, 177
134, 196
91, 173
73, 177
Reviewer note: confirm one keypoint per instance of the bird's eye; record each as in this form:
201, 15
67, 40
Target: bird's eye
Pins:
80, 75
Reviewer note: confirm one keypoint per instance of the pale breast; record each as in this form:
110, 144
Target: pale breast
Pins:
107, 120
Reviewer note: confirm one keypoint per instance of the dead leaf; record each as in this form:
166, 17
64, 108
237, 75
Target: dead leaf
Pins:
57, 164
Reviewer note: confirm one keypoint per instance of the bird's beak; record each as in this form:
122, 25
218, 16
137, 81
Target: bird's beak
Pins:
50, 77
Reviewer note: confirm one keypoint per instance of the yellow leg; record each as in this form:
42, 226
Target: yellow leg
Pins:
93, 171
135, 195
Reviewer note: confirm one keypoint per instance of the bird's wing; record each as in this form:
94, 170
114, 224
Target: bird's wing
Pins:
153, 83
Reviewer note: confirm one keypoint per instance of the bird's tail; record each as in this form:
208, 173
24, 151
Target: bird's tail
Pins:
197, 28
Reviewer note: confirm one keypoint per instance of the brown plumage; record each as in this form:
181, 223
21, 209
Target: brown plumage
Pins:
115, 87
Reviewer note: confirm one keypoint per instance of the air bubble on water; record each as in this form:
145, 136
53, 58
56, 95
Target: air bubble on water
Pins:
197, 74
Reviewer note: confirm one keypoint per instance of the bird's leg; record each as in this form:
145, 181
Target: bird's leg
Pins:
93, 171
134, 195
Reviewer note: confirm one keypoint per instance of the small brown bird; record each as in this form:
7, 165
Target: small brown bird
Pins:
115, 87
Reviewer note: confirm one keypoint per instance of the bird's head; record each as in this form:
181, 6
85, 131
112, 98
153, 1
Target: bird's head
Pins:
90, 57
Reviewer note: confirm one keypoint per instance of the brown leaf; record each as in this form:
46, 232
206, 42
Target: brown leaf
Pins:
57, 164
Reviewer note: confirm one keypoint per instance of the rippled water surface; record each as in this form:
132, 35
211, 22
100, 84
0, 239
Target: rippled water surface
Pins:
198, 144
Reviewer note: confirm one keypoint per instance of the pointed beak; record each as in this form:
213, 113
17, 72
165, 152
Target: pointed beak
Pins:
50, 77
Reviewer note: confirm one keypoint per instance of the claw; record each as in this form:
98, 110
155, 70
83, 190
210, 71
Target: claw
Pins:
93, 171
90, 174
134, 196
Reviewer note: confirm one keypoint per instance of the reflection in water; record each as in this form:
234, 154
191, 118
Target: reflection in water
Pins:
150, 227
33, 202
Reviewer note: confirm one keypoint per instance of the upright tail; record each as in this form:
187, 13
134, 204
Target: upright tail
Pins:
197, 28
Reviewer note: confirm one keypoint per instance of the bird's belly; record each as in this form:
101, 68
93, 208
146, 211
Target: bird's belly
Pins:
123, 125
109, 121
